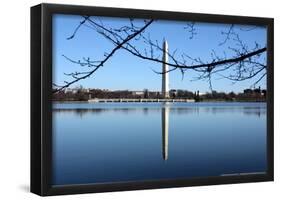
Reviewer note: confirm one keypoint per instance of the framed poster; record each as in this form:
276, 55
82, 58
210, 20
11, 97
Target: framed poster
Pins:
125, 99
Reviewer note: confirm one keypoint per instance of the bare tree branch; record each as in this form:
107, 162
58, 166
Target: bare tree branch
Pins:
244, 64
89, 73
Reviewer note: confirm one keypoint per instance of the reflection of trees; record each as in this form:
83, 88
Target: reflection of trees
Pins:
83, 111
180, 110
258, 111
79, 110
247, 110
145, 111
184, 110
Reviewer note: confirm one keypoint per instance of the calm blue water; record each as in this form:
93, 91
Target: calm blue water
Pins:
118, 142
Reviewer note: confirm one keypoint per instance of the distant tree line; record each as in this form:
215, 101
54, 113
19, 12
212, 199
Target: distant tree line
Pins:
81, 94
231, 96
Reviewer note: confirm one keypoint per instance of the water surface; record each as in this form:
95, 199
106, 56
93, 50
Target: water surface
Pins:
119, 142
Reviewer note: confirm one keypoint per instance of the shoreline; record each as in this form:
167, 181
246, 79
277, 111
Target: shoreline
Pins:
210, 101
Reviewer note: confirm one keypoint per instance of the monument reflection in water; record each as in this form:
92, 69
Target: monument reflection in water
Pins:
113, 142
165, 130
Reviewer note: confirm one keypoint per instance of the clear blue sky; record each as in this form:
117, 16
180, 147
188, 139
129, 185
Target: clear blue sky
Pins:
125, 71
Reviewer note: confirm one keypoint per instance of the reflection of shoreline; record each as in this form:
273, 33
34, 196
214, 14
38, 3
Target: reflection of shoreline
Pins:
155, 101
255, 110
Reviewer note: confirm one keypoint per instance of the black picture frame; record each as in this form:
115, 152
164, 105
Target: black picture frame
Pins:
41, 102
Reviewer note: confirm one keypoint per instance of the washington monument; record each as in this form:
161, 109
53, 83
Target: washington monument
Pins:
165, 71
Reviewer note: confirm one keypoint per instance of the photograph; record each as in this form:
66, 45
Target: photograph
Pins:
145, 99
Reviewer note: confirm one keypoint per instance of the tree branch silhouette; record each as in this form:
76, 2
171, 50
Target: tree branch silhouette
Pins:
244, 64
77, 75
